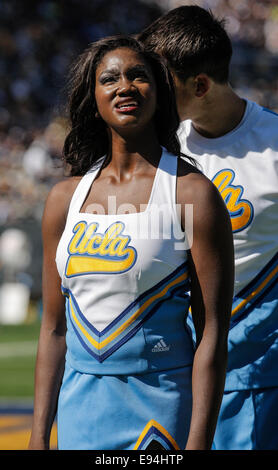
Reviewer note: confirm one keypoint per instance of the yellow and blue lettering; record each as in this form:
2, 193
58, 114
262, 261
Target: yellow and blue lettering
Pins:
241, 210
91, 252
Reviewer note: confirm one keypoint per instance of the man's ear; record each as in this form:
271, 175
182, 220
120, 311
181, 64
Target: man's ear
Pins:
202, 85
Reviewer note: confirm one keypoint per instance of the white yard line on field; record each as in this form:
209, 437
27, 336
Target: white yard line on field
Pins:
18, 349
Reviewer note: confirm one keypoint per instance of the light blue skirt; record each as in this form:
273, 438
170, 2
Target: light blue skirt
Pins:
107, 412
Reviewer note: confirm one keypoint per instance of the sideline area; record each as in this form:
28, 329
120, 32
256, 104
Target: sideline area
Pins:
15, 428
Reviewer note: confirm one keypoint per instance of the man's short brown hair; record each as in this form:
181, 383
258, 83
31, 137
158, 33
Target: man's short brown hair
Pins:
192, 41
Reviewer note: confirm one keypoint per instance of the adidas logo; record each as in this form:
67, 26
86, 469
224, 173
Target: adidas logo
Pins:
160, 346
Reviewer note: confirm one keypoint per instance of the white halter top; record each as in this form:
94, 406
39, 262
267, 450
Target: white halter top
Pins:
125, 279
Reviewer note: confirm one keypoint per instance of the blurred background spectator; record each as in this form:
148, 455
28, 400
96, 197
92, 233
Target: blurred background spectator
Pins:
38, 41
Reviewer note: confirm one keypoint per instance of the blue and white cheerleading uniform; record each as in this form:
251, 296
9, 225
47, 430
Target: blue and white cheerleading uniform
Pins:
129, 354
243, 164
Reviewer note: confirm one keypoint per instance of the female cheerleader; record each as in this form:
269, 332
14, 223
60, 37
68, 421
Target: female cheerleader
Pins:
115, 358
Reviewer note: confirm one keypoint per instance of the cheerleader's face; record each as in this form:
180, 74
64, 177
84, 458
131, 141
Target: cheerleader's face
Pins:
125, 90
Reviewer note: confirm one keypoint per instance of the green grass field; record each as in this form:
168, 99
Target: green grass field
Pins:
18, 345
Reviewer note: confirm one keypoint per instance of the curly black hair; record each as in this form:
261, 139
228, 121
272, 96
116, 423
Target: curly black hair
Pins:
88, 139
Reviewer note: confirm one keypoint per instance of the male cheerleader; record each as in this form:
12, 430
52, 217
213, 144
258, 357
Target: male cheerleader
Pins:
235, 142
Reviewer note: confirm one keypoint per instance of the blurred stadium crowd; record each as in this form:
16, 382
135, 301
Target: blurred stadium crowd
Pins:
38, 40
